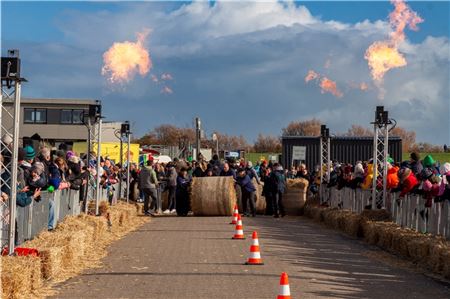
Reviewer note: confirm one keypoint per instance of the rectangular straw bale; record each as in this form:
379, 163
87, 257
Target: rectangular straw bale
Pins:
438, 257
21, 275
353, 224
52, 261
370, 232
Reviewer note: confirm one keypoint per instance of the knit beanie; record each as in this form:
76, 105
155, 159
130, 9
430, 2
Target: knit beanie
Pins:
428, 161
29, 152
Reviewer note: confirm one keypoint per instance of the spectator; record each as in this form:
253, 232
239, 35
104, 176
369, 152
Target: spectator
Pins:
171, 187
277, 185
248, 192
182, 193
251, 172
415, 164
227, 171
408, 181
148, 183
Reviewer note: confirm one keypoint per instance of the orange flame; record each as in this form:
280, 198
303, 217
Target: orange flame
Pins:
312, 75
382, 56
123, 60
330, 86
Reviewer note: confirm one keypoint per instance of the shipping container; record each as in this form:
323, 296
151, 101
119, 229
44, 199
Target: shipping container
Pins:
343, 149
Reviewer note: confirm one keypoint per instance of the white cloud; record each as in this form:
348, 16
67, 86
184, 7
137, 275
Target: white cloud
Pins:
241, 66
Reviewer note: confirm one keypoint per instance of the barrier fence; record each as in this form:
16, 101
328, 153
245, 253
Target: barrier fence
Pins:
34, 218
409, 211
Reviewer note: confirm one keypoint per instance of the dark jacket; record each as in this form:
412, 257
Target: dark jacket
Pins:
246, 184
277, 181
230, 172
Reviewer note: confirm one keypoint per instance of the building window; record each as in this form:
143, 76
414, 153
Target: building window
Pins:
69, 116
66, 116
77, 116
38, 116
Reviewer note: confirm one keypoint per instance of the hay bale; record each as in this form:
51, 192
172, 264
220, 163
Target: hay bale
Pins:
370, 232
353, 225
213, 196
439, 258
51, 259
20, 276
418, 247
294, 198
103, 207
376, 215
260, 199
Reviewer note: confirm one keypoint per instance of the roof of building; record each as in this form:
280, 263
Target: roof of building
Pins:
57, 101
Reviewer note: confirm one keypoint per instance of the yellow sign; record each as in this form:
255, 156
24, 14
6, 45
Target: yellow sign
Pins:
111, 150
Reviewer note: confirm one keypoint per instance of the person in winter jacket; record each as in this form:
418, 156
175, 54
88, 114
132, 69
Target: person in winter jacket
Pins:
392, 179
444, 188
414, 163
248, 192
277, 185
368, 180
148, 183
252, 172
408, 181
172, 187
182, 193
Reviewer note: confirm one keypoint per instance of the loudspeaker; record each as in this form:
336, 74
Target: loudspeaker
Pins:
95, 110
10, 67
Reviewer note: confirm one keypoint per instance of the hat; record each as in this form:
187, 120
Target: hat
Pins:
426, 173
390, 160
29, 152
428, 161
7, 139
404, 174
74, 159
414, 156
69, 154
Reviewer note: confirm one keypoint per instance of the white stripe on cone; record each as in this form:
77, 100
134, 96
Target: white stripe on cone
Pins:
255, 255
240, 232
255, 242
284, 290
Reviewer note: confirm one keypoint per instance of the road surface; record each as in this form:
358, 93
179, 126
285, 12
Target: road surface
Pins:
195, 257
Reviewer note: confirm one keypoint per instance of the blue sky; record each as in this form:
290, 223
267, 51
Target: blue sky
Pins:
239, 66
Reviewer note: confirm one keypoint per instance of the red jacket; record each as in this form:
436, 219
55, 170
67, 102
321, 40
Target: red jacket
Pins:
408, 184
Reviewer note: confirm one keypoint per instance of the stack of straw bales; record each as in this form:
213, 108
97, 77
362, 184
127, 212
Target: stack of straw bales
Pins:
260, 199
430, 252
79, 242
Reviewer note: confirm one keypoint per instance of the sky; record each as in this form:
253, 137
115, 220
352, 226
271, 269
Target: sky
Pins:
240, 66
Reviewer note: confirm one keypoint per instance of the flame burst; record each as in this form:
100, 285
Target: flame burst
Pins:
312, 75
330, 86
123, 60
382, 56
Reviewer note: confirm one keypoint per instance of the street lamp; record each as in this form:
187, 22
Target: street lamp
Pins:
216, 139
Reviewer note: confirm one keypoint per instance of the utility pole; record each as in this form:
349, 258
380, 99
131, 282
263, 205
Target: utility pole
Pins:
197, 136
324, 158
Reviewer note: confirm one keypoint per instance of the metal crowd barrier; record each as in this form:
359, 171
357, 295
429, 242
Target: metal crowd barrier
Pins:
409, 212
34, 218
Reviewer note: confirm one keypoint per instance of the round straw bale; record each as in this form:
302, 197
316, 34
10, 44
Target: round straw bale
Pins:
294, 198
260, 199
213, 196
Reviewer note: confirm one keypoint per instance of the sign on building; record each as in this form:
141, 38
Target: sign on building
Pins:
299, 153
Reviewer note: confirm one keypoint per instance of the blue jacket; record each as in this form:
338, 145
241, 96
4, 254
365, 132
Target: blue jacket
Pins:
246, 183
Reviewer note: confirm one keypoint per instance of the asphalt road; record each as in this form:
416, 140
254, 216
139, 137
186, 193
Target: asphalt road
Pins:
195, 257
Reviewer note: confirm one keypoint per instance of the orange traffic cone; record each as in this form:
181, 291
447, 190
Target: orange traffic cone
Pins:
255, 255
239, 234
285, 292
235, 215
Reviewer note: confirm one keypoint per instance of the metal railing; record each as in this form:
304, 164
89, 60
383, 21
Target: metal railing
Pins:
34, 218
410, 211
